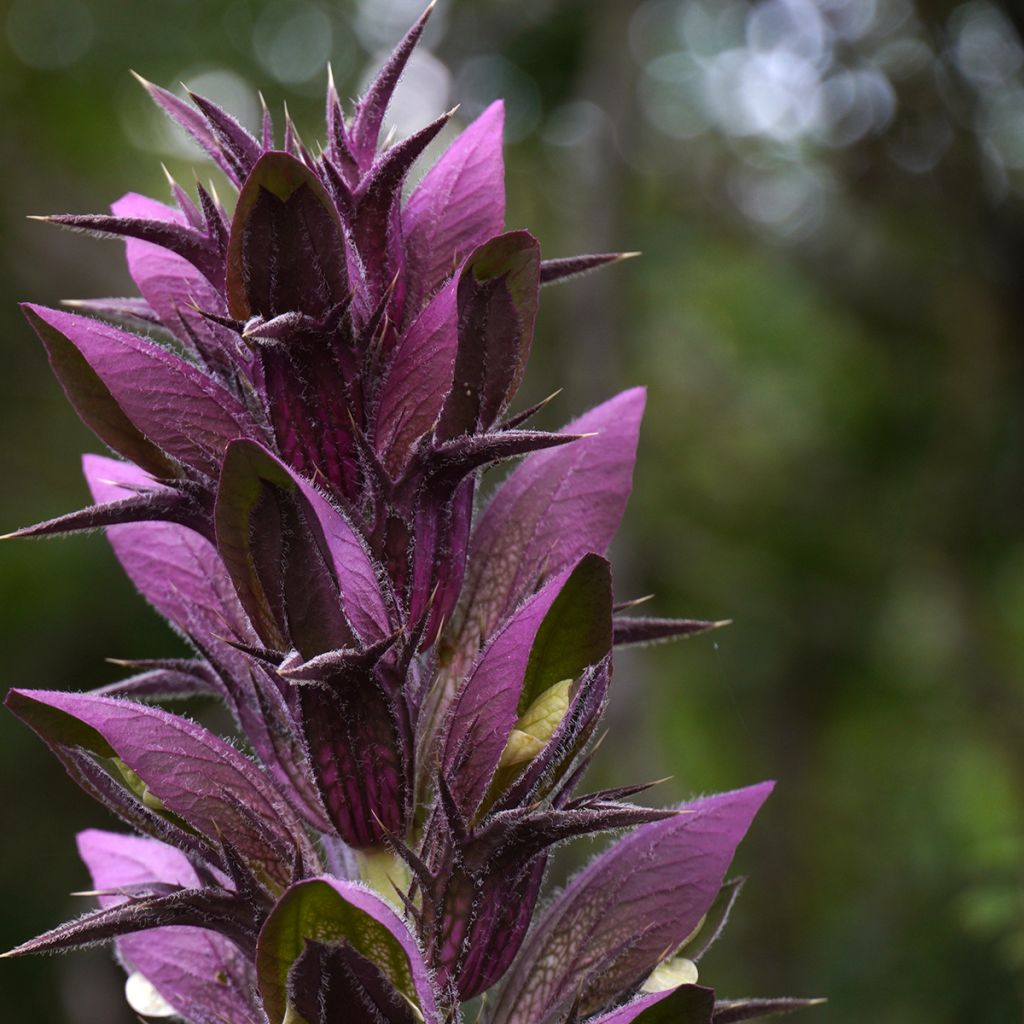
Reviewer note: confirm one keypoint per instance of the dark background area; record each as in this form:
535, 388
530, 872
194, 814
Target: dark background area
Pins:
829, 197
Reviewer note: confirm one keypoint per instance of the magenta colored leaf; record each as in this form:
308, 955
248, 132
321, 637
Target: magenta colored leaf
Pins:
201, 974
168, 402
553, 508
458, 205
287, 251
339, 914
630, 908
418, 379
497, 301
196, 775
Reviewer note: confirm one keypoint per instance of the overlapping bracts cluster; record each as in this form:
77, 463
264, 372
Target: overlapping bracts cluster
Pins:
302, 402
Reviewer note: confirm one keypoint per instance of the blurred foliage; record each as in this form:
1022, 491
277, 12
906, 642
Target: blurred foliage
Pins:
829, 195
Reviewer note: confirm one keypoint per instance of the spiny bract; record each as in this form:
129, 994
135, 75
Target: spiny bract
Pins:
303, 400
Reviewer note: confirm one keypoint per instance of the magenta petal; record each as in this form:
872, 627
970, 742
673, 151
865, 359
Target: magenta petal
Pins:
630, 908
198, 776
200, 973
177, 407
458, 205
173, 287
418, 379
553, 508
174, 568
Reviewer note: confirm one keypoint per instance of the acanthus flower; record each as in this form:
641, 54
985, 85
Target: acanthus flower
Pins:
303, 400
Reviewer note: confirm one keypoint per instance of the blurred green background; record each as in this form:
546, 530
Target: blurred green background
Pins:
829, 196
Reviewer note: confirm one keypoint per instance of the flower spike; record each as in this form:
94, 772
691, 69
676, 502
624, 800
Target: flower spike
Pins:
301, 405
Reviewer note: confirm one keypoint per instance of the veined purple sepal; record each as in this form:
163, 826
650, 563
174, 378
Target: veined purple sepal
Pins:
552, 638
551, 509
458, 205
358, 729
417, 379
145, 402
633, 905
480, 898
180, 768
346, 941
529, 654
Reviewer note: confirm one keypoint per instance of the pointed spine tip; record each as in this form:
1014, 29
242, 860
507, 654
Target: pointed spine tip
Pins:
36, 216
144, 82
630, 255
